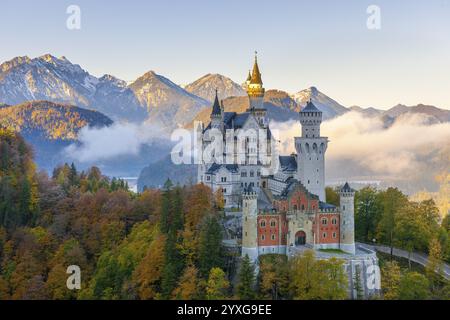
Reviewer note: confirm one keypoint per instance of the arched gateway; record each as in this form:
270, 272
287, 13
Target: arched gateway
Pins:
300, 238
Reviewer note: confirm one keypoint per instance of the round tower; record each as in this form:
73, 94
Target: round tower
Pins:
347, 227
311, 148
250, 224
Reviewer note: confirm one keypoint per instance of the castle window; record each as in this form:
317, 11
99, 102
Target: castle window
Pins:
308, 181
334, 234
252, 174
343, 207
324, 221
258, 173
208, 178
324, 235
263, 223
263, 237
273, 223
334, 221
273, 237
244, 174
224, 190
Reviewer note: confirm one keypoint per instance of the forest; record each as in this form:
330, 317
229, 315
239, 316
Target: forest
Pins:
167, 243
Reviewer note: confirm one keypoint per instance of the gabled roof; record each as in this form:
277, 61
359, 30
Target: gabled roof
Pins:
293, 185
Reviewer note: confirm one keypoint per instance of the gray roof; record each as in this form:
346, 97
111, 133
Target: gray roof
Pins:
233, 168
292, 185
288, 163
310, 107
233, 120
216, 109
346, 188
323, 205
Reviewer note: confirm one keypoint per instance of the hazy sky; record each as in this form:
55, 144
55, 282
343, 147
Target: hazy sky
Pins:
300, 43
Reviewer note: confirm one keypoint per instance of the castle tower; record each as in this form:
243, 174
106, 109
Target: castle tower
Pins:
311, 148
255, 91
216, 114
250, 224
347, 228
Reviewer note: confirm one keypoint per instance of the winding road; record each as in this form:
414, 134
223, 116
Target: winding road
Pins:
419, 258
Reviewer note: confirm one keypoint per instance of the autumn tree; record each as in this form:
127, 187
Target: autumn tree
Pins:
147, 274
273, 277
218, 285
434, 267
187, 288
390, 280
313, 279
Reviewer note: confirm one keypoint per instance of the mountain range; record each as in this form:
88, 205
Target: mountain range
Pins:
51, 99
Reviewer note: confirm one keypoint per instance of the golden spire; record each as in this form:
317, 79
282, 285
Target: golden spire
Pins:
256, 75
249, 78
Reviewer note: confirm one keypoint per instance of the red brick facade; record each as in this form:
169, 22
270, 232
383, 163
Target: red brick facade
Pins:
273, 226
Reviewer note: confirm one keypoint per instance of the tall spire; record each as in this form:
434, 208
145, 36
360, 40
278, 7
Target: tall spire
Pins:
256, 75
216, 109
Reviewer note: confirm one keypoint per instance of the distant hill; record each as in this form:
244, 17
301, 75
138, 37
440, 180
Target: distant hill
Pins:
49, 126
439, 115
329, 107
206, 86
155, 174
167, 104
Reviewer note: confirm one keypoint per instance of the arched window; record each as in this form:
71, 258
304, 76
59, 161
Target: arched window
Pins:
273, 223
324, 221
334, 221
273, 237
334, 235
263, 237
324, 235
263, 223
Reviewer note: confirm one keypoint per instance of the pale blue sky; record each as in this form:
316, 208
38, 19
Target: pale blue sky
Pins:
300, 43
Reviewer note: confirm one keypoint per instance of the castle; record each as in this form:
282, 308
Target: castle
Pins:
286, 208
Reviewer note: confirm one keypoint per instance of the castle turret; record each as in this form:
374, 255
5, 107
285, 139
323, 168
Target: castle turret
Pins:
250, 224
255, 91
216, 114
347, 228
311, 148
